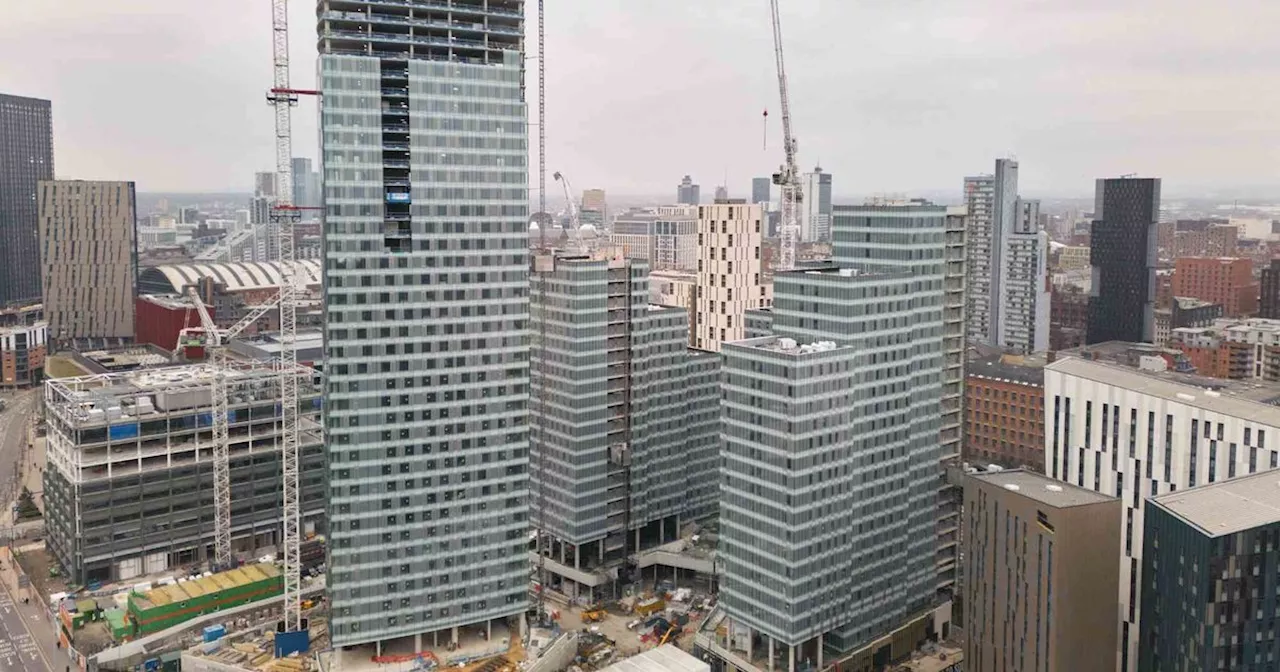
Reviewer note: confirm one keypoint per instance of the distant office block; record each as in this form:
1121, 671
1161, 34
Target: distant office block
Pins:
666, 236
1041, 574
815, 206
1226, 281
760, 187
89, 254
1210, 558
1123, 254
1269, 295
688, 192
26, 158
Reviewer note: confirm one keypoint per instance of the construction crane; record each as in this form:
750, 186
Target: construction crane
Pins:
788, 175
575, 225
285, 214
215, 341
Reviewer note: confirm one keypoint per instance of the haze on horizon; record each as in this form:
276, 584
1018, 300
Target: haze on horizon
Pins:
889, 95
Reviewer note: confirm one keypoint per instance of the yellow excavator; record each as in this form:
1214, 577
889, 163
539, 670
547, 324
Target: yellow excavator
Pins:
670, 631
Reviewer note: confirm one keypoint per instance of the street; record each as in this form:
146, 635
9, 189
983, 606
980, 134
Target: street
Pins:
26, 637
13, 436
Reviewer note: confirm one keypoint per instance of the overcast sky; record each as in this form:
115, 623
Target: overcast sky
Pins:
889, 95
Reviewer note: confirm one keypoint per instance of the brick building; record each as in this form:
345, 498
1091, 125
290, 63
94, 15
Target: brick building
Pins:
1004, 411
23, 344
1068, 317
1227, 281
1240, 350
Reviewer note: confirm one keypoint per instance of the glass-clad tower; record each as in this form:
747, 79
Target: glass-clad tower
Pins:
424, 155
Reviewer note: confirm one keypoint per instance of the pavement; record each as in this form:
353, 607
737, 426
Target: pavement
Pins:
28, 639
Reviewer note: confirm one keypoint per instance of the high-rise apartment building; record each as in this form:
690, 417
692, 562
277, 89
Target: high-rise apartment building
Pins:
426, 297
951, 432
1041, 574
760, 188
1008, 264
730, 234
625, 418
26, 157
1122, 249
847, 389
306, 186
1226, 281
1023, 318
89, 260
1269, 291
593, 210
688, 193
1136, 432
1209, 562
815, 206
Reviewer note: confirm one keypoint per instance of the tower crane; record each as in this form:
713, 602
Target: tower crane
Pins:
215, 341
788, 176
285, 215
575, 225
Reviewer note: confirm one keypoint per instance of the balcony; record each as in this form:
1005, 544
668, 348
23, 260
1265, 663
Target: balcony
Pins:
427, 4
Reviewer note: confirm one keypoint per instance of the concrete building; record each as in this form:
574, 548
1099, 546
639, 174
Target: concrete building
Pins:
951, 431
760, 188
426, 350
1143, 430
1215, 240
264, 184
688, 193
1209, 563
1122, 249
673, 288
625, 421
1004, 411
306, 186
849, 386
1040, 574
666, 236
722, 193
89, 260
1269, 291
730, 278
815, 206
128, 488
1069, 257
993, 210
24, 338
26, 158
1226, 281
1023, 318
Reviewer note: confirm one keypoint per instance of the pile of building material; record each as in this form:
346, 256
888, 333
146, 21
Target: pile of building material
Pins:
166, 606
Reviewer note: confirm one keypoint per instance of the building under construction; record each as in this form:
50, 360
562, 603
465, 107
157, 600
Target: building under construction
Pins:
129, 485
625, 420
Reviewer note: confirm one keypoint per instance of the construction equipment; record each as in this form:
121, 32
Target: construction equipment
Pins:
670, 631
788, 175
285, 215
214, 341
593, 615
574, 229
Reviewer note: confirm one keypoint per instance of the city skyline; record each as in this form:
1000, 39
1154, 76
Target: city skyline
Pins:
1070, 101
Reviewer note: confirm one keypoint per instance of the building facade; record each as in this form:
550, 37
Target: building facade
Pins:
1008, 263
1040, 574
815, 206
1068, 317
625, 419
1136, 434
760, 189
1004, 412
426, 270
1122, 249
666, 236
24, 338
128, 489
1226, 281
26, 158
1237, 349
688, 193
1209, 563
729, 272
89, 260
1269, 291
1023, 318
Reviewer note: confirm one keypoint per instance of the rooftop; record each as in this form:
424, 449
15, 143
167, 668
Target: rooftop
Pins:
1255, 400
1027, 370
235, 277
665, 658
1041, 488
1228, 506
788, 345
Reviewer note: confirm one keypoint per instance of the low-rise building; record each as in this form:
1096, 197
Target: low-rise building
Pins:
1238, 349
1041, 574
24, 338
1004, 411
1209, 562
1227, 281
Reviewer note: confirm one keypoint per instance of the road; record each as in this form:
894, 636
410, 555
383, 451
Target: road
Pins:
13, 437
27, 638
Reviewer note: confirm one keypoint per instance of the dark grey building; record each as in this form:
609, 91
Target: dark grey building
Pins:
1122, 249
1210, 560
688, 193
760, 187
1269, 298
26, 157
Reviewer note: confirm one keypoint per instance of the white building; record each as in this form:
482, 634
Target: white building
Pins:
1136, 434
815, 206
729, 272
666, 236
1022, 321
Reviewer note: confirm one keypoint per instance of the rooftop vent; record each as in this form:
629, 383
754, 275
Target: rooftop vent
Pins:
1053, 488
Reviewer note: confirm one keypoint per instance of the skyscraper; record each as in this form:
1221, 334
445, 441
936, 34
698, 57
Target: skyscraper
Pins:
760, 187
628, 417
815, 206
1269, 294
264, 184
306, 186
426, 306
729, 282
89, 259
688, 193
830, 448
26, 157
1003, 251
1122, 249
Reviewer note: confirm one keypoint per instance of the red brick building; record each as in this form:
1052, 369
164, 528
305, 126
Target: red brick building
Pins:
1004, 412
1226, 281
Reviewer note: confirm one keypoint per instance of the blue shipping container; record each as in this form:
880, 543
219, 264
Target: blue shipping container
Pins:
125, 431
214, 632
